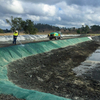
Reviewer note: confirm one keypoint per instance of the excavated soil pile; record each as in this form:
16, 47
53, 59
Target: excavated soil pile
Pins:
51, 72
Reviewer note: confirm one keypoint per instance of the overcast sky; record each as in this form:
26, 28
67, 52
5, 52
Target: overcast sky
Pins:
62, 13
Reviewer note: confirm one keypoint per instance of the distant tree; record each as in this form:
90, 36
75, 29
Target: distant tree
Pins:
57, 29
95, 28
1, 31
87, 29
45, 27
28, 27
43, 30
15, 23
64, 30
73, 28
82, 29
78, 31
69, 29
19, 24
6, 30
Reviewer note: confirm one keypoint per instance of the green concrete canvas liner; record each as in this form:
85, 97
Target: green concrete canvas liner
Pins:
12, 53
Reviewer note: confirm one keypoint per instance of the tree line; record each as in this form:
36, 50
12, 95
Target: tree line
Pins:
29, 27
45, 27
86, 29
18, 24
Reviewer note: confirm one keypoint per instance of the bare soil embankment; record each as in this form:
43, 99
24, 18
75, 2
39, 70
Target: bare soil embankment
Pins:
51, 72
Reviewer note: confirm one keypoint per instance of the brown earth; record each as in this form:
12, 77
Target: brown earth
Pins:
8, 97
51, 72
7, 34
22, 33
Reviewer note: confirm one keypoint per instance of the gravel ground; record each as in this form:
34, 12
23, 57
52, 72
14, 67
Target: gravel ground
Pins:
51, 72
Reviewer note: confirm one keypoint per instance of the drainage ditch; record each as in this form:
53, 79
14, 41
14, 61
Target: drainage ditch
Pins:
51, 72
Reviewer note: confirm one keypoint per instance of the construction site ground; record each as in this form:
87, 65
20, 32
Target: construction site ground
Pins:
51, 72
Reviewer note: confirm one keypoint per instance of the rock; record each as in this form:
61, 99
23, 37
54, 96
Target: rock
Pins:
56, 86
78, 82
61, 78
39, 79
30, 75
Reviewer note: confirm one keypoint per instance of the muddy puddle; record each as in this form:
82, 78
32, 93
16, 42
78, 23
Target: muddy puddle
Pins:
52, 72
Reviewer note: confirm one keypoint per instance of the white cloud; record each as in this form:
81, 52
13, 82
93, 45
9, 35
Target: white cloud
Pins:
46, 18
54, 12
14, 6
59, 25
69, 10
3, 24
39, 9
49, 10
32, 17
59, 18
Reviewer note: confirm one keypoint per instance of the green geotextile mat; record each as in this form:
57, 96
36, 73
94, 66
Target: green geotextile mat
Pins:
10, 54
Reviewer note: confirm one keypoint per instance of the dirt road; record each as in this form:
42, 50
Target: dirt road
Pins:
9, 43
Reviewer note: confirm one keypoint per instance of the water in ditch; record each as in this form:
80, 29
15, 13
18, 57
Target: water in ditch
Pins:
90, 68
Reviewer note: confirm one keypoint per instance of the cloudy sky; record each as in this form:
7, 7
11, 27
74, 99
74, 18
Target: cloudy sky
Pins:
62, 13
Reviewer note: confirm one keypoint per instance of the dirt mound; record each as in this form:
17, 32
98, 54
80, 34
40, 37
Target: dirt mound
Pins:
51, 72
